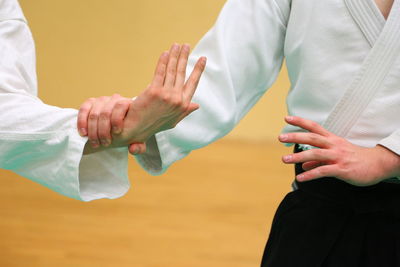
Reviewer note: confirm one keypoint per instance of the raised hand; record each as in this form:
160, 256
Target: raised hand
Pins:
337, 157
118, 121
166, 101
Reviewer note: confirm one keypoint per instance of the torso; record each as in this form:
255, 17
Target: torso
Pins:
326, 47
385, 6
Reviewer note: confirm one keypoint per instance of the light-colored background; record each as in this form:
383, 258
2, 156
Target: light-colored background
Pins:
213, 208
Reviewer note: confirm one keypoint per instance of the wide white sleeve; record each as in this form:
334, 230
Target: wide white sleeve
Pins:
245, 53
40, 141
392, 142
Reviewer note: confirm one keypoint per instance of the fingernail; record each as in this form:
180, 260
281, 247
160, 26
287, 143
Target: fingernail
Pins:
136, 151
283, 137
300, 177
287, 158
289, 118
82, 132
94, 143
105, 142
116, 130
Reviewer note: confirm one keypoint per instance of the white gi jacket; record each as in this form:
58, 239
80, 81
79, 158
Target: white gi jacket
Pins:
343, 63
39, 141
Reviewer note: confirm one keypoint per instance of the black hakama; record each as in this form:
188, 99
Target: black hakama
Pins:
330, 223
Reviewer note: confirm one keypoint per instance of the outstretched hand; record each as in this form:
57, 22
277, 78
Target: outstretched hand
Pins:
166, 101
120, 121
337, 157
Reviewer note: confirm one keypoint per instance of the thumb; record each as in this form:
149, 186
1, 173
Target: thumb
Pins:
137, 148
192, 107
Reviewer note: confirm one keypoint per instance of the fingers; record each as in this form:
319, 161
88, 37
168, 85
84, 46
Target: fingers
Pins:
137, 148
120, 110
83, 115
93, 121
194, 78
104, 122
313, 139
172, 66
320, 155
159, 74
308, 125
182, 64
323, 171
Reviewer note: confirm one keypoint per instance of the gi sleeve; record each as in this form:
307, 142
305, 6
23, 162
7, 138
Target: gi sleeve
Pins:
244, 53
39, 141
392, 142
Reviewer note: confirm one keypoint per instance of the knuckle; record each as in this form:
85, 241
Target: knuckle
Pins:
317, 152
322, 172
83, 109
105, 115
116, 95
172, 71
176, 102
182, 71
105, 134
154, 93
119, 104
166, 98
183, 107
339, 141
93, 116
160, 72
313, 137
313, 124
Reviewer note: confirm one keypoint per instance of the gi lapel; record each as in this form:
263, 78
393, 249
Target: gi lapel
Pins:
368, 17
384, 52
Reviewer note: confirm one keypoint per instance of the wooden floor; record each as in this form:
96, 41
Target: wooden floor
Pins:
212, 209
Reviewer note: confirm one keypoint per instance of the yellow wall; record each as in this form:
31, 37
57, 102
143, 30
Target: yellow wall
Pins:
210, 209
93, 48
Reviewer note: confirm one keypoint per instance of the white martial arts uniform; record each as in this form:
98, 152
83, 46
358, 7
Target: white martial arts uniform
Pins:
333, 48
39, 141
